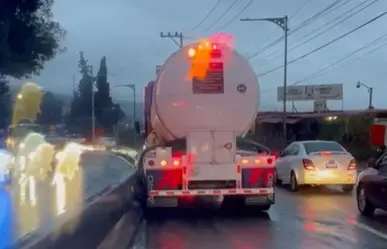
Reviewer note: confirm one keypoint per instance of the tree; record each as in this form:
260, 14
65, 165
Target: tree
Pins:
104, 110
51, 111
5, 104
79, 118
28, 37
107, 113
81, 103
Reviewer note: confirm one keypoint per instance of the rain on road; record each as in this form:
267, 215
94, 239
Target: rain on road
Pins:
318, 218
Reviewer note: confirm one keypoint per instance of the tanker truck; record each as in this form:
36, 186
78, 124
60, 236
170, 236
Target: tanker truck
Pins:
197, 111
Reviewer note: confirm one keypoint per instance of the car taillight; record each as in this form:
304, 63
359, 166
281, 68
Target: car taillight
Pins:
151, 163
275, 154
308, 164
269, 161
352, 165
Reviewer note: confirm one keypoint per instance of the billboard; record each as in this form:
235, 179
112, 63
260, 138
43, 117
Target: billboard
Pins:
320, 105
311, 92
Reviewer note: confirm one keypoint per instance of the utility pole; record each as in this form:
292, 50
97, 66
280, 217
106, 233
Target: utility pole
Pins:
173, 37
282, 22
133, 88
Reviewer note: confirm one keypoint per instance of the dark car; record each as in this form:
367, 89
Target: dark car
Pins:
371, 190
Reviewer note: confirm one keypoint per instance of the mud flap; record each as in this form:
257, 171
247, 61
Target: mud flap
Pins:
259, 200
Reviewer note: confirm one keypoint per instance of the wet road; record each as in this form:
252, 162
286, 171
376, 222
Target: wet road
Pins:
98, 172
318, 218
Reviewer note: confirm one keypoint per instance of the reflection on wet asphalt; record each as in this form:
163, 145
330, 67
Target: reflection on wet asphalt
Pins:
318, 218
98, 172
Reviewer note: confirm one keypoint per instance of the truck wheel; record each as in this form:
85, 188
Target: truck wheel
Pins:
233, 202
264, 208
140, 194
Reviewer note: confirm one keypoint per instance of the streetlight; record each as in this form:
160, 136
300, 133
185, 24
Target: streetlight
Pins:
282, 22
370, 92
133, 87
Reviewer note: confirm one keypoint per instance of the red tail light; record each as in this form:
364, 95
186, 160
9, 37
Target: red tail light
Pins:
308, 164
325, 153
352, 165
275, 154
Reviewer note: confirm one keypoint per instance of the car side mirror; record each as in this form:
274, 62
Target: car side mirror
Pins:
371, 163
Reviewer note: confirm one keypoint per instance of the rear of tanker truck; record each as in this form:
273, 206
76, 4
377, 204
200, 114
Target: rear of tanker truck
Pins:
205, 97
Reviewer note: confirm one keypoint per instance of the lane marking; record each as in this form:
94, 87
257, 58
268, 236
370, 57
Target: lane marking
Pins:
371, 230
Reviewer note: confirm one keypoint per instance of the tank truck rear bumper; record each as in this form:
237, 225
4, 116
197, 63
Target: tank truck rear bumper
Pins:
173, 198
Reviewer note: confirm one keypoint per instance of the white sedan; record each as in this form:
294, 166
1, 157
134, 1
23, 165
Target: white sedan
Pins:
316, 162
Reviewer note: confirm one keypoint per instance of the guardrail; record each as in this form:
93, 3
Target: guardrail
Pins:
92, 225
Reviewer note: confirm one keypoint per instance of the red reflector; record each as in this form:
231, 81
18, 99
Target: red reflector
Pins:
151, 163
269, 161
216, 53
216, 66
170, 179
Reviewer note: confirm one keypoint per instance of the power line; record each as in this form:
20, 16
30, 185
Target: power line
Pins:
237, 15
275, 31
327, 10
325, 69
224, 13
326, 44
207, 15
308, 21
294, 47
299, 9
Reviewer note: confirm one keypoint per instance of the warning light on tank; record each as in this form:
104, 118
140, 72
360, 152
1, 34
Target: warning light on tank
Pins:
191, 52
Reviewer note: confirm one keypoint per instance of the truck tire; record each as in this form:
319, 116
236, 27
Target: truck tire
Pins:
140, 192
233, 202
264, 208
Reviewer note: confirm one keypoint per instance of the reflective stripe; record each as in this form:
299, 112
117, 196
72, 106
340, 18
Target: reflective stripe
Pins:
263, 191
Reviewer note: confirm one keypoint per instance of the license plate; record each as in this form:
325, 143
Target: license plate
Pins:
331, 164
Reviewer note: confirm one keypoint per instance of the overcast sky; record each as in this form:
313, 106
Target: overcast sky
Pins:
127, 32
